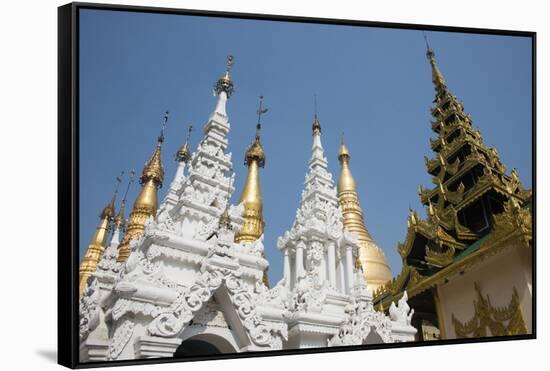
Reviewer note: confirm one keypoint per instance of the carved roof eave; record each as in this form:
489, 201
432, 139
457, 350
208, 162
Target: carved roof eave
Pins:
499, 240
481, 187
431, 231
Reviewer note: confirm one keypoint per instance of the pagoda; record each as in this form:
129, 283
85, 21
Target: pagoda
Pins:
194, 277
477, 234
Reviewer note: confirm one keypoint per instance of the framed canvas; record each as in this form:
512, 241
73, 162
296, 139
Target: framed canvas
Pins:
187, 230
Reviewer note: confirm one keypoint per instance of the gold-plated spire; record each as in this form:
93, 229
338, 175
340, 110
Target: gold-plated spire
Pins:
146, 203
225, 83
253, 226
184, 154
437, 76
372, 259
251, 196
95, 249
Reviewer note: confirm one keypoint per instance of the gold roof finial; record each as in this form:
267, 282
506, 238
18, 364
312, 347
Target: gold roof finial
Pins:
95, 249
153, 169
251, 197
255, 151
224, 83
437, 76
184, 154
316, 127
343, 153
109, 210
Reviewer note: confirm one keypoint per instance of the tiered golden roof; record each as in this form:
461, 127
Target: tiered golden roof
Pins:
473, 200
146, 203
371, 257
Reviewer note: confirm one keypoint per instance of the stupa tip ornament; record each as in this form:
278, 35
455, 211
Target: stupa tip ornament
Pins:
316, 127
225, 83
153, 169
437, 76
120, 218
343, 153
109, 210
184, 154
255, 151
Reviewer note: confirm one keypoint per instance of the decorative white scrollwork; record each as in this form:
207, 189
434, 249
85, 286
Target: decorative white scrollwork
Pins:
402, 313
89, 308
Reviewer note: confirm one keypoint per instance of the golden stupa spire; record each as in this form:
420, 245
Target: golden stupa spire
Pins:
253, 226
146, 202
372, 259
437, 76
251, 196
95, 250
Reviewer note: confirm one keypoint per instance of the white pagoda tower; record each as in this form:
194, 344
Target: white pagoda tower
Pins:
329, 302
193, 281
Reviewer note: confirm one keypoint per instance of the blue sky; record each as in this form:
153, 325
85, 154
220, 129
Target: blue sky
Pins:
373, 84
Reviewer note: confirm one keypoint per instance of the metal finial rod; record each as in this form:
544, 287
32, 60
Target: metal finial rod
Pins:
342, 137
260, 112
118, 180
230, 61
164, 122
130, 181
315, 103
426, 40
429, 51
189, 133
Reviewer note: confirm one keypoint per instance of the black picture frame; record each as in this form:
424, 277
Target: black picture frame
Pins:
68, 181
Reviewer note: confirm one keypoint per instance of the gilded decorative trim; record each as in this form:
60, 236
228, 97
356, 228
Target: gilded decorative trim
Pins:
489, 320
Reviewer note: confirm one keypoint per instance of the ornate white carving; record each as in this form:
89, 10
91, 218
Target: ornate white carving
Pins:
171, 321
401, 313
122, 335
89, 308
361, 320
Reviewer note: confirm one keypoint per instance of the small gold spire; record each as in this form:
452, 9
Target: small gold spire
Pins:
184, 154
437, 76
225, 83
95, 249
251, 196
146, 202
372, 259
